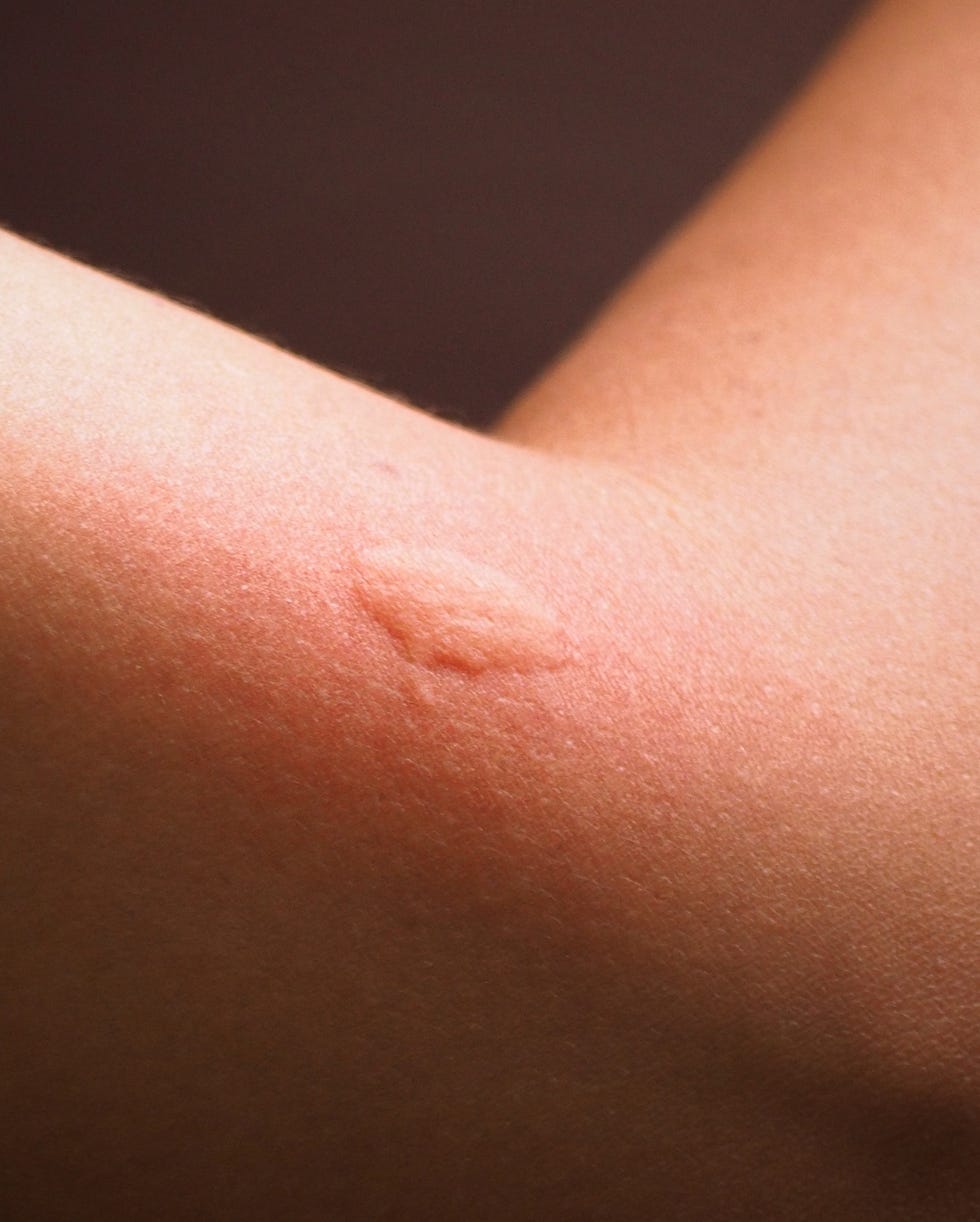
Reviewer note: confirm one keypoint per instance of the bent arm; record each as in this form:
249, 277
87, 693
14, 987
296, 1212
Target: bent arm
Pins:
401, 822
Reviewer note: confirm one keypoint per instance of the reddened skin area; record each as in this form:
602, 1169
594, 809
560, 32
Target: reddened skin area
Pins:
443, 609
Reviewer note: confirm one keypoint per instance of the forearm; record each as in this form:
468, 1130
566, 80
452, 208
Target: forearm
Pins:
825, 292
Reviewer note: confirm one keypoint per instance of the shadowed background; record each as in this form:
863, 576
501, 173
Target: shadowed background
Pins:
432, 196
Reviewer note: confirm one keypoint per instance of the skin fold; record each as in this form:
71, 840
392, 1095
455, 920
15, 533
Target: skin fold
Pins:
576, 823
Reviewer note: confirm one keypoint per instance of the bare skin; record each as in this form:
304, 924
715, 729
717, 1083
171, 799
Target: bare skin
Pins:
576, 824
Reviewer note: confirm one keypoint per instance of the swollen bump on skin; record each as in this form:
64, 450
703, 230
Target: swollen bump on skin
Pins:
444, 610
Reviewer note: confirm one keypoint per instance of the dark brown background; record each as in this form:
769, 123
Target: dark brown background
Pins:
430, 195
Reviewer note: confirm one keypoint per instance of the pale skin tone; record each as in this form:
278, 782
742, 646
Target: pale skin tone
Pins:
654, 892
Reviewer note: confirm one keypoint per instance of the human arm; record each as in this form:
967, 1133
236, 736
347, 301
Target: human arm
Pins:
295, 924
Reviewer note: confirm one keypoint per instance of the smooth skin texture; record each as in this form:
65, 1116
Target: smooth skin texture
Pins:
296, 925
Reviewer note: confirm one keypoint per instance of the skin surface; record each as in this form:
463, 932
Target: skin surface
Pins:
306, 916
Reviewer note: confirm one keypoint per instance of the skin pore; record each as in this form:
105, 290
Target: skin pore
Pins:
575, 823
